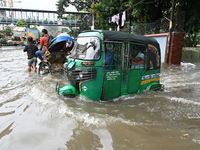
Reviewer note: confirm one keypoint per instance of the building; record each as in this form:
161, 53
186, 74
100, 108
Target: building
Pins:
6, 3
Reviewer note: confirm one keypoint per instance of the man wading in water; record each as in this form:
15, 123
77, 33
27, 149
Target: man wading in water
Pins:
31, 49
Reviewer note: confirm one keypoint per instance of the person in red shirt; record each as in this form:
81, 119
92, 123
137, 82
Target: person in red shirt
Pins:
43, 45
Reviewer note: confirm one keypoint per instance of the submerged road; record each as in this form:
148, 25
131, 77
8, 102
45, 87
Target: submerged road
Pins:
33, 117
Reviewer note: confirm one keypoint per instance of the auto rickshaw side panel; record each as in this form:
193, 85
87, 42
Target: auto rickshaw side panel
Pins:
112, 84
150, 80
134, 79
151, 77
92, 89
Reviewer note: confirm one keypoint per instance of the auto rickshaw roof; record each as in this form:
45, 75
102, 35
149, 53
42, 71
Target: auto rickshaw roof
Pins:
118, 35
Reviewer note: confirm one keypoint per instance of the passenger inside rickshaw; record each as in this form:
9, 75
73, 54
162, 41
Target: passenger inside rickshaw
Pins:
137, 57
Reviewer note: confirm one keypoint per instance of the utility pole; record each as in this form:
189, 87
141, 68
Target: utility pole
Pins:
170, 33
175, 42
92, 27
172, 14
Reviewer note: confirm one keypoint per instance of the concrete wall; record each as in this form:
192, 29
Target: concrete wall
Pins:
191, 54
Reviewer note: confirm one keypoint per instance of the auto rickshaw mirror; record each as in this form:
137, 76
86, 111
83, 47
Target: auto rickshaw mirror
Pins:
71, 64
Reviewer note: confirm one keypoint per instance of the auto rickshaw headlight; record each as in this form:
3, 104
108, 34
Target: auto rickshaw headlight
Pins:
87, 63
80, 75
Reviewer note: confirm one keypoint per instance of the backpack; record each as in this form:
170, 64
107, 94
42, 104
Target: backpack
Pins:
49, 39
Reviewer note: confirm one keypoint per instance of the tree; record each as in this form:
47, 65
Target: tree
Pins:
21, 23
34, 27
104, 10
101, 10
185, 16
7, 31
192, 23
85, 22
151, 11
79, 4
1, 35
144, 12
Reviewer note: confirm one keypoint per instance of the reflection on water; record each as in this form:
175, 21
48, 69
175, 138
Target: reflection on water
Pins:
33, 117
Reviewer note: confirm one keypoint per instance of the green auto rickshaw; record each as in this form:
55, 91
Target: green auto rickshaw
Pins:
92, 75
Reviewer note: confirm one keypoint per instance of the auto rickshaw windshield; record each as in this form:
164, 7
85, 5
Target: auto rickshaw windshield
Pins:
86, 48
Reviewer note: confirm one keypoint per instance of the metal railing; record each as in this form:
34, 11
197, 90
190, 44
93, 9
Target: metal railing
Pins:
42, 17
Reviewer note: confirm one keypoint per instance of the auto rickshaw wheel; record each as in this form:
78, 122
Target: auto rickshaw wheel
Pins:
44, 68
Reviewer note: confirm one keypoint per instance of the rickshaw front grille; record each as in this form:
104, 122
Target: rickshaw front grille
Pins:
77, 75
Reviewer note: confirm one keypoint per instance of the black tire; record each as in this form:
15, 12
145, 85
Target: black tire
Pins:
44, 68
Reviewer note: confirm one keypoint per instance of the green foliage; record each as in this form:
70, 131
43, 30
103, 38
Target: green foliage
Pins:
151, 11
141, 12
7, 31
1, 35
71, 17
191, 40
21, 23
64, 30
79, 4
61, 7
73, 32
192, 23
4, 41
105, 9
34, 27
28, 20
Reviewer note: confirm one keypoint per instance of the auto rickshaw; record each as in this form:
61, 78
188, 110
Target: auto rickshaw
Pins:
56, 53
89, 75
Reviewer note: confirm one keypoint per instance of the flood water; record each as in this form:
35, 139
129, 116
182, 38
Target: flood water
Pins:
34, 117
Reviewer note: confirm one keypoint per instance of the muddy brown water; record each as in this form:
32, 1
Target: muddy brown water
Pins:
33, 117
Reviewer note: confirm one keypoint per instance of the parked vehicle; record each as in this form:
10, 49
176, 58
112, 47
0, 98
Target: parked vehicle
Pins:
9, 40
91, 77
20, 35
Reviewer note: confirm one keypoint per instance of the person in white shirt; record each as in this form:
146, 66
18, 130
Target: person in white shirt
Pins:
137, 59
